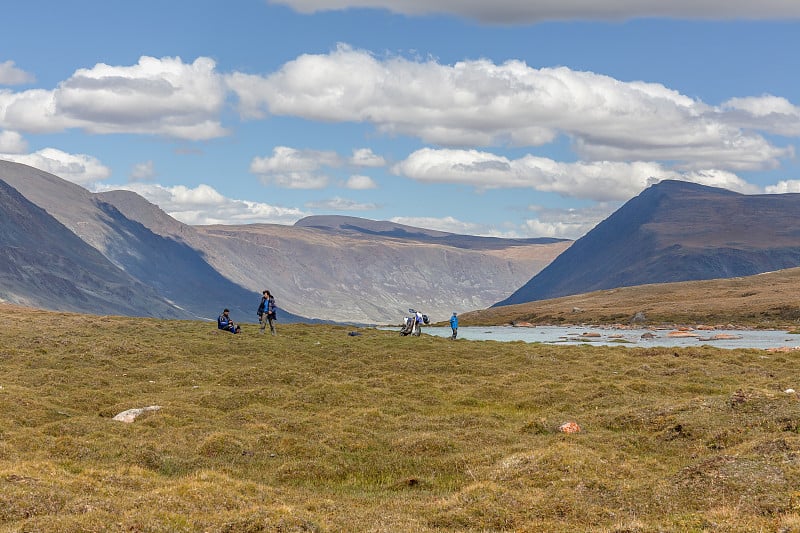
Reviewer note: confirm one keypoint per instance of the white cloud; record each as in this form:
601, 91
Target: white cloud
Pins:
554, 223
205, 205
479, 103
768, 113
11, 75
364, 157
600, 180
568, 223
527, 11
341, 204
446, 224
12, 142
295, 169
156, 96
143, 171
77, 168
783, 186
557, 229
360, 183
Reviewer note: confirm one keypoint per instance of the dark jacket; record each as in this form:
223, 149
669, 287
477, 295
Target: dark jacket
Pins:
223, 322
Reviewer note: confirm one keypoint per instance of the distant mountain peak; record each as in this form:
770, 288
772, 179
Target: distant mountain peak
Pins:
364, 225
675, 231
385, 228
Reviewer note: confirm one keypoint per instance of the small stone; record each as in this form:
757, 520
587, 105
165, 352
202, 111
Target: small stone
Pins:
569, 427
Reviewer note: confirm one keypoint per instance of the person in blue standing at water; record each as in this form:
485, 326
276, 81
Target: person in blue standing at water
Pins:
454, 325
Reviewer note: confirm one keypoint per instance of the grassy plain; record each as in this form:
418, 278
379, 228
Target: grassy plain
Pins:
769, 300
317, 430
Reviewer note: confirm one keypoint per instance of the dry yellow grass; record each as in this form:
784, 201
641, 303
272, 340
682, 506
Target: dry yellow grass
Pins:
316, 430
769, 300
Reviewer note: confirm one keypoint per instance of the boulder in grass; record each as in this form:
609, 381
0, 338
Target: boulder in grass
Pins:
131, 414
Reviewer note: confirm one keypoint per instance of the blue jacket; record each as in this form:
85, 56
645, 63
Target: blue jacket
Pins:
223, 322
454, 322
267, 305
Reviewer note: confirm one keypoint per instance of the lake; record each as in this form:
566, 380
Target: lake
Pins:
606, 336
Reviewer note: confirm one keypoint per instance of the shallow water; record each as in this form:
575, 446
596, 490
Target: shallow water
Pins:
577, 335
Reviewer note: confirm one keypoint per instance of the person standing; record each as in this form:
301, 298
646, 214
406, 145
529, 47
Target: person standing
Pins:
417, 324
267, 312
454, 325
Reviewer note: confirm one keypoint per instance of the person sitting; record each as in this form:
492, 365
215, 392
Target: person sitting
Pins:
225, 322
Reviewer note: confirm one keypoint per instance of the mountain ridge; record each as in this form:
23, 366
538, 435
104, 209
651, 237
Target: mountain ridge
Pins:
675, 231
387, 228
44, 264
352, 275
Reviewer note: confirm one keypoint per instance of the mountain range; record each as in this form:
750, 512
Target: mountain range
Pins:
675, 231
65, 248
46, 265
116, 253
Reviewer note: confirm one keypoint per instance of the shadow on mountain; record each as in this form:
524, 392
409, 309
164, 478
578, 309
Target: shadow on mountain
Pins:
675, 231
43, 264
177, 271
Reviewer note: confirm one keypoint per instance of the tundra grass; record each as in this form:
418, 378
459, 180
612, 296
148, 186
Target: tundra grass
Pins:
318, 430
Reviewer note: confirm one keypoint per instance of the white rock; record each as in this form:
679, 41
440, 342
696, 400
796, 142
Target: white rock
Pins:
131, 414
789, 391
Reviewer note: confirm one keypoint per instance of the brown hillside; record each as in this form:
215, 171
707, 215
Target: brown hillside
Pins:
764, 300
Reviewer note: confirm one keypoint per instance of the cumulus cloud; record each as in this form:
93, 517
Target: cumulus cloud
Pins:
12, 142
448, 224
364, 157
773, 114
205, 205
599, 180
156, 96
11, 75
341, 204
360, 183
546, 222
527, 11
570, 223
295, 169
77, 168
783, 186
143, 171
480, 103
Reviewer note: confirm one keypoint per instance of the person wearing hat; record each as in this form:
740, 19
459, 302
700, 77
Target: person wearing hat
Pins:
225, 322
454, 325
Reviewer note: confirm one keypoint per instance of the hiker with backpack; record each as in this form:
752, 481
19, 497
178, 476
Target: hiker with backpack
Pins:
225, 322
417, 324
267, 312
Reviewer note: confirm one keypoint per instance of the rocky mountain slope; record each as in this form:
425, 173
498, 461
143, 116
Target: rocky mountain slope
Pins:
675, 231
44, 264
344, 269
340, 269
173, 271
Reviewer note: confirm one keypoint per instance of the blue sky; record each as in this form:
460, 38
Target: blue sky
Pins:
516, 118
